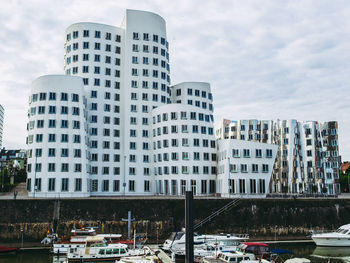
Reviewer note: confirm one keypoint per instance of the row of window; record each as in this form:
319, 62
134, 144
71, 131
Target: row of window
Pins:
240, 186
51, 152
145, 49
185, 142
97, 34
251, 127
52, 110
234, 168
184, 169
97, 46
171, 187
197, 93
146, 61
163, 87
174, 156
51, 167
184, 129
97, 58
97, 82
146, 37
51, 137
145, 97
52, 124
198, 104
246, 153
183, 115
42, 96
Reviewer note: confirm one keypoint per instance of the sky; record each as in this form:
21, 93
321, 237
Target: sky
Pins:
264, 59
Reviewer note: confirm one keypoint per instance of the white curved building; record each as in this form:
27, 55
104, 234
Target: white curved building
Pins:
57, 160
2, 112
184, 147
125, 74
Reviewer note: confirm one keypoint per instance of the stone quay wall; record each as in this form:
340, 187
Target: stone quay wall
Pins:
262, 219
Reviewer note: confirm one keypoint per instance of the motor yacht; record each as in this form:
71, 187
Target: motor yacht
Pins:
97, 249
177, 240
338, 238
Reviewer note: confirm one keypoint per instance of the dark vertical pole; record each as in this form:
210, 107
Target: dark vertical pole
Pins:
189, 227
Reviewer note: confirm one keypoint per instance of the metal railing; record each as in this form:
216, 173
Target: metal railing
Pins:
228, 206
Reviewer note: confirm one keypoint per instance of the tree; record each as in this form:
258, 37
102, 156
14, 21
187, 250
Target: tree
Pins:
344, 179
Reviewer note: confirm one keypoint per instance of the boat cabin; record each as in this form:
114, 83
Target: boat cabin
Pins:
258, 249
229, 257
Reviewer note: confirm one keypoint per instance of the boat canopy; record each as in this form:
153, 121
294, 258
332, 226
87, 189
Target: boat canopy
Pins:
281, 251
255, 244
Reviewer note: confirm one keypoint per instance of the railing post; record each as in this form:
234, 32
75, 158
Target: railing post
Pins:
189, 227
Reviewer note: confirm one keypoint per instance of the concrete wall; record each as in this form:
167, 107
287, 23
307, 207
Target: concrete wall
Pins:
260, 218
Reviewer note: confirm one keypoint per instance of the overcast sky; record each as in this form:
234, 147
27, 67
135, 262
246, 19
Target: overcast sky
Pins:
264, 59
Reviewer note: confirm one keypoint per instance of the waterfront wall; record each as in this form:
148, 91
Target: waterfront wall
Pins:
261, 219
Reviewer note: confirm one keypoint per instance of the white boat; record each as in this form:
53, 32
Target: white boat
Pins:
78, 238
230, 257
140, 259
177, 240
97, 249
338, 238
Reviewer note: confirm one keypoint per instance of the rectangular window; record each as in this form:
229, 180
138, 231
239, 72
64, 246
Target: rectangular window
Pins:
51, 186
64, 184
78, 184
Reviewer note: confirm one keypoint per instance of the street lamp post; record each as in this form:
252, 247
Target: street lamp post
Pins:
124, 173
22, 237
229, 178
36, 157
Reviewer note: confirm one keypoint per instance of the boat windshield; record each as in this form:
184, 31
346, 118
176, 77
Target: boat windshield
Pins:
178, 235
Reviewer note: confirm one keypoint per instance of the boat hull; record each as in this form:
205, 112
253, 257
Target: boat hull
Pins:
102, 259
331, 242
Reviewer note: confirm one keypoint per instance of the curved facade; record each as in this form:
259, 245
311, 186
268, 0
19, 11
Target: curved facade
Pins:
126, 74
184, 150
147, 87
56, 138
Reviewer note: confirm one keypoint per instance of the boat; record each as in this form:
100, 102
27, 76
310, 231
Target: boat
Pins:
78, 238
204, 250
338, 238
140, 259
260, 250
177, 240
229, 257
97, 249
8, 250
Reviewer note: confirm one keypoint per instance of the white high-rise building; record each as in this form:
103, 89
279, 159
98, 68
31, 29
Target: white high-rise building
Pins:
2, 112
119, 80
184, 146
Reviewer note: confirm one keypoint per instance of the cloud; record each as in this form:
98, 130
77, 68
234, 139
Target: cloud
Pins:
276, 59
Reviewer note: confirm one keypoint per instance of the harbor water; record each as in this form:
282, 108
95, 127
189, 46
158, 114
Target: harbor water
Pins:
307, 250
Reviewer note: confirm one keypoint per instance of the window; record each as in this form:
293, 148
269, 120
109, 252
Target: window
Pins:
246, 153
116, 185
51, 152
78, 184
258, 153
51, 186
244, 168
64, 184
105, 185
131, 186
269, 153
265, 168
147, 187
255, 168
